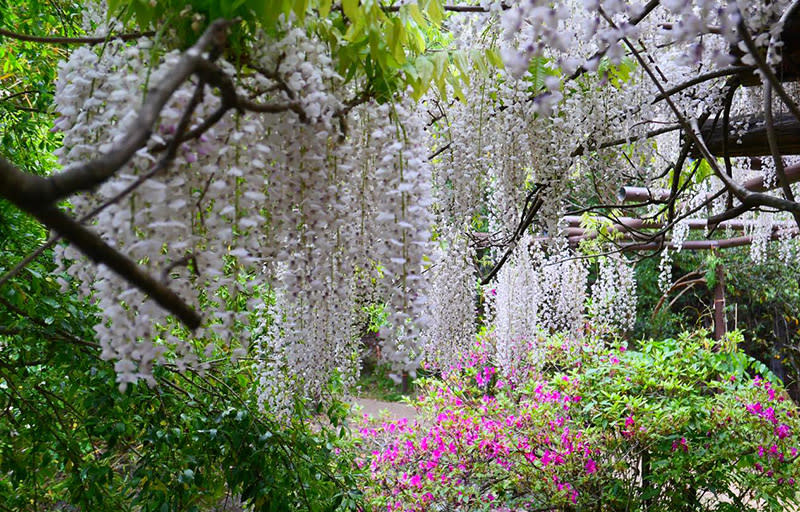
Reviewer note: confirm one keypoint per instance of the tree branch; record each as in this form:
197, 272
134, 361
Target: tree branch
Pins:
100, 252
616, 142
33, 190
693, 130
94, 247
646, 10
702, 78
532, 203
773, 147
769, 75
73, 40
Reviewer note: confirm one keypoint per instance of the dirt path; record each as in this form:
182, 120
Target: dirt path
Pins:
395, 410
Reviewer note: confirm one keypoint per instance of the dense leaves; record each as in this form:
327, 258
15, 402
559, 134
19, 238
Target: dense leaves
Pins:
678, 424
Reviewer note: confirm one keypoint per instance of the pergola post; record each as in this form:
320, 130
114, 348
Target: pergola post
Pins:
720, 327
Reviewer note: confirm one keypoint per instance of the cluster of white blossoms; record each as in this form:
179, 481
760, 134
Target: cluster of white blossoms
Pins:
535, 294
762, 234
451, 324
544, 291
579, 32
613, 304
261, 206
679, 234
665, 271
281, 225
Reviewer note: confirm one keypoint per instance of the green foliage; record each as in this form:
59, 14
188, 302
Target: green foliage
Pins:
27, 74
688, 408
599, 230
376, 382
617, 74
689, 311
763, 301
680, 424
69, 435
383, 49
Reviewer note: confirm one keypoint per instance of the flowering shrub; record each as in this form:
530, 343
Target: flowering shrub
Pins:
677, 424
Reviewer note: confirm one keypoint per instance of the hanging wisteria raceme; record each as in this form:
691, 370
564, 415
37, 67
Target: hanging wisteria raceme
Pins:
451, 323
514, 304
678, 42
679, 234
535, 294
577, 30
665, 271
278, 197
762, 234
283, 221
613, 304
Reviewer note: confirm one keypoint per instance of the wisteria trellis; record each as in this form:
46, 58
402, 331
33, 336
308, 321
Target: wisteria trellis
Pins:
325, 198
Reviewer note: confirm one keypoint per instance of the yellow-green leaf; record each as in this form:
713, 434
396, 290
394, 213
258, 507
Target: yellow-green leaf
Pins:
460, 60
479, 59
354, 31
441, 62
397, 40
435, 12
454, 83
425, 69
325, 8
416, 15
300, 7
493, 56
350, 9
417, 40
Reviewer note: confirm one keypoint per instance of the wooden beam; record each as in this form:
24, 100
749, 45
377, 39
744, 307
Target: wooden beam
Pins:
632, 223
753, 142
641, 194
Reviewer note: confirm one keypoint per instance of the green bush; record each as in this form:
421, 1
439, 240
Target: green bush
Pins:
679, 424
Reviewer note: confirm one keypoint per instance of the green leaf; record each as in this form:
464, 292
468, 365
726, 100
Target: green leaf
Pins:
325, 8
435, 12
493, 56
350, 9
460, 61
416, 14
425, 70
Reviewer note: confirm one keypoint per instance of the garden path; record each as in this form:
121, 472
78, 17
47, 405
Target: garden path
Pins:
395, 410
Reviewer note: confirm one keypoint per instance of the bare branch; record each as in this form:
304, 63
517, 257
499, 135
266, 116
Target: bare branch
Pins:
73, 40
693, 130
703, 78
616, 142
439, 151
532, 205
453, 8
646, 10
